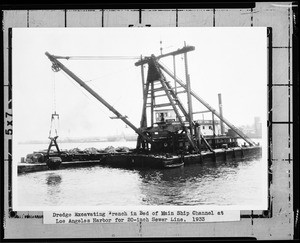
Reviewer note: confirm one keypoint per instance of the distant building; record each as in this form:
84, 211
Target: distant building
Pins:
257, 126
254, 130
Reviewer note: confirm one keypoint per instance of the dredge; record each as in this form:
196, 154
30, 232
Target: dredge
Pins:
168, 135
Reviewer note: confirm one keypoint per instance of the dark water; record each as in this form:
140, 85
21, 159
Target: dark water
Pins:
218, 183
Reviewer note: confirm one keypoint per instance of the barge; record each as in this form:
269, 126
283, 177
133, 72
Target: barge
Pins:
169, 135
133, 160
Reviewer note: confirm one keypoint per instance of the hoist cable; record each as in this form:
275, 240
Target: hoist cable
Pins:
98, 57
54, 93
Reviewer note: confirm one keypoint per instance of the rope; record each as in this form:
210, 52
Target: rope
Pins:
54, 93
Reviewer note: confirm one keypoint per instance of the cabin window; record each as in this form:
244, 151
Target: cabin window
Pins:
210, 127
203, 127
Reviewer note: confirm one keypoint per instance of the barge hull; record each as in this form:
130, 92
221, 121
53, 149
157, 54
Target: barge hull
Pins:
158, 161
135, 160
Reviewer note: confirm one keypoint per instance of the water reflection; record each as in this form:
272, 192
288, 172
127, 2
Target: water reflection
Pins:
188, 185
53, 182
209, 183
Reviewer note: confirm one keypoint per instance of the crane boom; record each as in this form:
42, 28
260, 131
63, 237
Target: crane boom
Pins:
58, 65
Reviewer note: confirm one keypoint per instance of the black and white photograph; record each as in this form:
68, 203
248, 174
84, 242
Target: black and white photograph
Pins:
139, 118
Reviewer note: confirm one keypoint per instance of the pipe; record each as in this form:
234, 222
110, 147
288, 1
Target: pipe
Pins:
221, 114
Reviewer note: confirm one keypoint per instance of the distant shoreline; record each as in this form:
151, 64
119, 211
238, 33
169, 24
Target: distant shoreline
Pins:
80, 141
96, 140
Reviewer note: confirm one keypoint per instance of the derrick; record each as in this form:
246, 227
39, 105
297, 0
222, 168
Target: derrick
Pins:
182, 125
167, 124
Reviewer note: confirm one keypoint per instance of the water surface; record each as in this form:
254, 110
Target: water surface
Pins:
211, 183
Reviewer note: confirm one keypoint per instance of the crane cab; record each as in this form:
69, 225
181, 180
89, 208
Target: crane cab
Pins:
165, 116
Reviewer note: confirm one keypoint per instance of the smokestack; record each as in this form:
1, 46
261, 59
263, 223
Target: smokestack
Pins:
221, 113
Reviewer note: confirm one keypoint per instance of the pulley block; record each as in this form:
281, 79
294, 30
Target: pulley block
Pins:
55, 67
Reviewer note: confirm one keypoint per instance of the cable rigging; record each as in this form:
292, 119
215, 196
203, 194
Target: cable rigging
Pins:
98, 57
54, 126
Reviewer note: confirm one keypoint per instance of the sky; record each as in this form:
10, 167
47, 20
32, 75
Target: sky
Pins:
230, 61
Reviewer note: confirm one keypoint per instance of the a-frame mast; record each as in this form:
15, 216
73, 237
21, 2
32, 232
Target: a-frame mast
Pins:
171, 92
